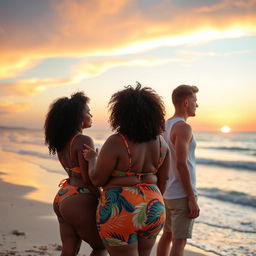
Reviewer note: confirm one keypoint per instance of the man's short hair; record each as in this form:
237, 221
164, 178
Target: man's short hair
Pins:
183, 91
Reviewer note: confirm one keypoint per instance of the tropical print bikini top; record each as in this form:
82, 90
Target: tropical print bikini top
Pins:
75, 169
118, 173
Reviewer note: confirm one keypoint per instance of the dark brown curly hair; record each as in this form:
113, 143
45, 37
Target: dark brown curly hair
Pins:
138, 113
64, 120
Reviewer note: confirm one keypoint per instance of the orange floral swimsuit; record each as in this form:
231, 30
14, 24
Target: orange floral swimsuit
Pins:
126, 213
67, 190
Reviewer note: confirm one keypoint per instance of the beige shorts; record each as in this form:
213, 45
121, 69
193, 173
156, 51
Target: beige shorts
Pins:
177, 220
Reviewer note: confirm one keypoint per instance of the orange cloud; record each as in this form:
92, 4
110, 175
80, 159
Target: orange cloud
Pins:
227, 4
13, 66
31, 86
84, 70
7, 107
139, 30
112, 27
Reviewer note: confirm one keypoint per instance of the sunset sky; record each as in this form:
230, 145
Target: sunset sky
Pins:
52, 48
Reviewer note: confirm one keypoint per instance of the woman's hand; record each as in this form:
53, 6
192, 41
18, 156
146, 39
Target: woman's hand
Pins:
89, 153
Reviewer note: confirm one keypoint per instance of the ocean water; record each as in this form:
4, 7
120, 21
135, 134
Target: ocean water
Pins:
226, 181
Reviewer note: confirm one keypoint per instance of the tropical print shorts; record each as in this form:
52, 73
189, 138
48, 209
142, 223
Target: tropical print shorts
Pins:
126, 213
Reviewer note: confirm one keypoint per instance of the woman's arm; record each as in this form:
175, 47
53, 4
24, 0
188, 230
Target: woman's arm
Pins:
85, 166
163, 172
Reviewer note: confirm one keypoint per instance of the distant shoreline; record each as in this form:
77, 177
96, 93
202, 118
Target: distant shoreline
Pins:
105, 129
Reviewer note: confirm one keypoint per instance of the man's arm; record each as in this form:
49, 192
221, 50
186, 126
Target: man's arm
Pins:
182, 135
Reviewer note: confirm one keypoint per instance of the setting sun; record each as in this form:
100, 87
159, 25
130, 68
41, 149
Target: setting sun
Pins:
225, 129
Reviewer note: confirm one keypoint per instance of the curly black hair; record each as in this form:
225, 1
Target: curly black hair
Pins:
138, 113
63, 120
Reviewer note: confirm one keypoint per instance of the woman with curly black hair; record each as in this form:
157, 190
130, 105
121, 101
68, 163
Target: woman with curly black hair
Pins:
76, 202
132, 168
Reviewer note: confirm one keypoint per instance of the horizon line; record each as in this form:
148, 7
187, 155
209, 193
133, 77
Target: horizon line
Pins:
107, 128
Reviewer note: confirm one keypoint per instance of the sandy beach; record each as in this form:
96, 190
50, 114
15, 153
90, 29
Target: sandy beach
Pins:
28, 225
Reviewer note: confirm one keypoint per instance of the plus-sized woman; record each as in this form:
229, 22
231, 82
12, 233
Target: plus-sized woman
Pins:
77, 199
132, 168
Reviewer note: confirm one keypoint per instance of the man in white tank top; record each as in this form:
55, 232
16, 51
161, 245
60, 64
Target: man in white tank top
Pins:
180, 195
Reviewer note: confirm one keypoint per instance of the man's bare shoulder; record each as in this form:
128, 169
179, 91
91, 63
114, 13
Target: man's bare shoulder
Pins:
182, 126
182, 129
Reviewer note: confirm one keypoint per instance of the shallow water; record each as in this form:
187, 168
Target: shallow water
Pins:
226, 175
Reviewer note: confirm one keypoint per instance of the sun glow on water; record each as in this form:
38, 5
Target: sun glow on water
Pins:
225, 129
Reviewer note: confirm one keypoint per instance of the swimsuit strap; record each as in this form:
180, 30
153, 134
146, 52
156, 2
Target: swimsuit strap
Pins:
161, 157
128, 150
70, 146
132, 173
64, 182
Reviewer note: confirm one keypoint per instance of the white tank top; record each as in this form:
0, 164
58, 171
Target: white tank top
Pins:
174, 189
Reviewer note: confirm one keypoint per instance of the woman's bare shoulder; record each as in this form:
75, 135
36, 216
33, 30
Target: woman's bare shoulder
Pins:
113, 140
84, 139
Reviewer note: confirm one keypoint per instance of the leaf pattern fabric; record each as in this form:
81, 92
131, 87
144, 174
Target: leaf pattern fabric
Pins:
125, 213
68, 190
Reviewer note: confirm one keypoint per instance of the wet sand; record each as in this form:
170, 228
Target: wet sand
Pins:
29, 226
